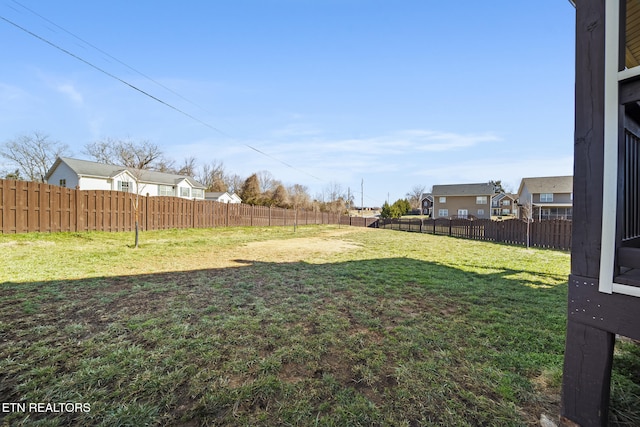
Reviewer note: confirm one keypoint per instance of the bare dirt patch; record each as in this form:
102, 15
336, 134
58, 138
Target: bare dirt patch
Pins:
297, 249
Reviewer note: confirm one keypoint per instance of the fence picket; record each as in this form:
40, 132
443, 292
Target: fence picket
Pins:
38, 207
555, 234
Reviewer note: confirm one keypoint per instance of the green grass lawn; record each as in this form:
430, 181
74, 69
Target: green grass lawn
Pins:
263, 326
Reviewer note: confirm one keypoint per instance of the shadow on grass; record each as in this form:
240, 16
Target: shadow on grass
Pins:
374, 342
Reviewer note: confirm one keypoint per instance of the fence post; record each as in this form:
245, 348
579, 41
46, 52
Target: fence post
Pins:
146, 213
193, 213
77, 208
450, 221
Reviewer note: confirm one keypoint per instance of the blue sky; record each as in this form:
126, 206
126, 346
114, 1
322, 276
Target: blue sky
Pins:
395, 94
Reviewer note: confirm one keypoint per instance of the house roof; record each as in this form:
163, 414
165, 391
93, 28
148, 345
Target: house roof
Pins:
483, 189
500, 196
102, 170
215, 193
547, 184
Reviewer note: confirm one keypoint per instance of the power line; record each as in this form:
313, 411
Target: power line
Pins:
113, 76
111, 56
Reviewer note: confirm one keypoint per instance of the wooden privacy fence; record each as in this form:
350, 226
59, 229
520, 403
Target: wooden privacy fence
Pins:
554, 234
36, 207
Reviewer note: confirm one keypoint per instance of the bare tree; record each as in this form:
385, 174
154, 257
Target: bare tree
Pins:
138, 187
527, 212
189, 166
266, 180
212, 176
299, 196
334, 191
415, 196
350, 200
32, 154
337, 198
234, 183
138, 155
165, 165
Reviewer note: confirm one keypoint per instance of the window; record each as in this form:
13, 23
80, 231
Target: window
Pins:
481, 200
442, 200
198, 193
124, 186
63, 183
546, 197
463, 213
165, 190
184, 192
443, 212
506, 202
480, 212
506, 211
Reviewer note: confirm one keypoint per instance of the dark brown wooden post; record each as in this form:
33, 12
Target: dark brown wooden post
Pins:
587, 374
589, 350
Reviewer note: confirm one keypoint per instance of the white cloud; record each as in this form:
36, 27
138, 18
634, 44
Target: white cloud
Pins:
510, 171
296, 130
396, 143
12, 94
446, 141
70, 91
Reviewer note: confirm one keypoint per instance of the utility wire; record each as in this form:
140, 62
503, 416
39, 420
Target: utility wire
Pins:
113, 76
110, 56
109, 74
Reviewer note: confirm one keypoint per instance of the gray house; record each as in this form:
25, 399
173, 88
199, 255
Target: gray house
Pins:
549, 197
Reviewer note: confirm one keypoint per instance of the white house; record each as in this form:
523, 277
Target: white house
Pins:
86, 175
222, 197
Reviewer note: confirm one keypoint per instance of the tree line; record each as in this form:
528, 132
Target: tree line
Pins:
30, 156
